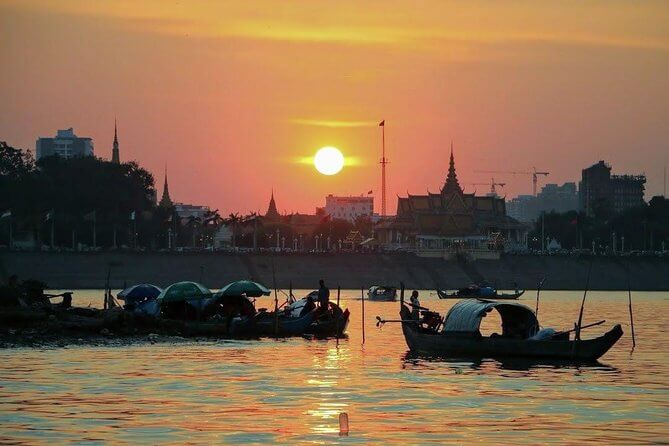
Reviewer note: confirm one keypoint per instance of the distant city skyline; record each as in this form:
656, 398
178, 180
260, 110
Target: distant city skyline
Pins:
232, 96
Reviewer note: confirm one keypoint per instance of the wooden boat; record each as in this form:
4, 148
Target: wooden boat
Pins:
265, 324
331, 323
478, 292
384, 293
520, 335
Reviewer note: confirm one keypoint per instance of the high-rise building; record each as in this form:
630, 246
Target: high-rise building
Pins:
618, 192
349, 208
557, 198
116, 159
552, 198
65, 144
522, 208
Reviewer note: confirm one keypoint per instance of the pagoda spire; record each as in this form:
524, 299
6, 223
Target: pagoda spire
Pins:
272, 212
116, 159
451, 185
165, 200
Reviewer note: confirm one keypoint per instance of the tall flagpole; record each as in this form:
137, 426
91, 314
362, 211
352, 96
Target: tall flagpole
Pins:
383, 167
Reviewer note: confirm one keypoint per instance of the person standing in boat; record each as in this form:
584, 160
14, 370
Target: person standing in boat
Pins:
323, 295
415, 305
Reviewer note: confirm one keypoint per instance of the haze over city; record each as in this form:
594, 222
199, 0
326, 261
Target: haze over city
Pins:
232, 98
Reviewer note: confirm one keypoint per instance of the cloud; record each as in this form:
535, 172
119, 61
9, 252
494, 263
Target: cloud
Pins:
332, 123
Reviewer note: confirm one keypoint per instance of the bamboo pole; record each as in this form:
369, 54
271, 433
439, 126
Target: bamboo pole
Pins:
585, 292
536, 310
106, 302
594, 324
337, 319
362, 299
276, 301
629, 295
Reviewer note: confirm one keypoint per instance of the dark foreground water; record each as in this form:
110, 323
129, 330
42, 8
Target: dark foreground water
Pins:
291, 391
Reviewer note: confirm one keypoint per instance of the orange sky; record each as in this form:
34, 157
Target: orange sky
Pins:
231, 96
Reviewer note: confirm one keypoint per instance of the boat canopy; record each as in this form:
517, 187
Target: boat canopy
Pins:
517, 320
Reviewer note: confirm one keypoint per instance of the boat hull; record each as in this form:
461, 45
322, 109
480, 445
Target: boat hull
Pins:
498, 296
335, 326
390, 296
265, 325
437, 344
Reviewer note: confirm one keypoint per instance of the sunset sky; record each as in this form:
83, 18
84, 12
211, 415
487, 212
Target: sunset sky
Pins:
233, 97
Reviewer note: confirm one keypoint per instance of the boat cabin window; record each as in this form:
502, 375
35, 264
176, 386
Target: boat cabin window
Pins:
517, 321
491, 324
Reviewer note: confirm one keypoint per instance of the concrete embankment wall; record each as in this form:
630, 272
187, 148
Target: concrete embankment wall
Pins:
89, 270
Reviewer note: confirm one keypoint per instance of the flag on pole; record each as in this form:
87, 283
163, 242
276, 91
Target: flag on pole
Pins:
49, 215
132, 215
90, 216
382, 123
6, 214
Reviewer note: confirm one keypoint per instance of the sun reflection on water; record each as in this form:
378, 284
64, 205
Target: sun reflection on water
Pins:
327, 374
292, 391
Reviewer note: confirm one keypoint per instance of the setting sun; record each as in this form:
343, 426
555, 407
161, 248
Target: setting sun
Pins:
329, 160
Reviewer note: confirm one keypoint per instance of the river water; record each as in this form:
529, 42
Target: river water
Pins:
292, 391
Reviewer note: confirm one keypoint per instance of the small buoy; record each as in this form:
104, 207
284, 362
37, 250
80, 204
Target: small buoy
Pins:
343, 424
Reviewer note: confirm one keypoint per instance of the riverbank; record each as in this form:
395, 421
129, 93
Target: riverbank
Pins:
351, 271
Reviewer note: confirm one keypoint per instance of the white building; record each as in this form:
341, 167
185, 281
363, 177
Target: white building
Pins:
349, 208
223, 237
65, 144
185, 211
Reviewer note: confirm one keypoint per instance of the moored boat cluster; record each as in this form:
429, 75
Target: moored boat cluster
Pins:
182, 309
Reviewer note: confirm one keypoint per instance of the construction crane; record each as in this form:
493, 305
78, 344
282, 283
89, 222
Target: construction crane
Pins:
534, 174
493, 185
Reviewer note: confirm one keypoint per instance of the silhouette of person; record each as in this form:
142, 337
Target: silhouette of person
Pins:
415, 305
323, 295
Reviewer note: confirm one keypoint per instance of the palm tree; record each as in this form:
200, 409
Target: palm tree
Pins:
253, 219
233, 221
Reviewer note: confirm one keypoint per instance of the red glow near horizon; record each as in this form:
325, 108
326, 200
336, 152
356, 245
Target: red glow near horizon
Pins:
231, 97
